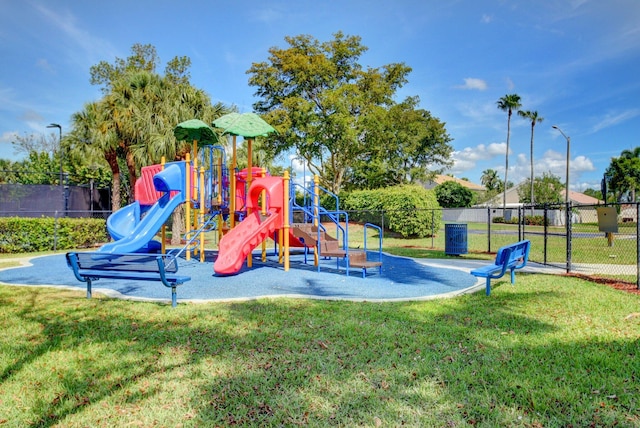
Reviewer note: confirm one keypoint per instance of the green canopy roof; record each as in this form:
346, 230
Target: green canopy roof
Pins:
248, 125
197, 130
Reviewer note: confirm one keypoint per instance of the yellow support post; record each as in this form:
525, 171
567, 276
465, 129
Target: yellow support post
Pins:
316, 214
201, 213
285, 220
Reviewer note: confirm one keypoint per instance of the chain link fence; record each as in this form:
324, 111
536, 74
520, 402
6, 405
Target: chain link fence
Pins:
42, 200
594, 240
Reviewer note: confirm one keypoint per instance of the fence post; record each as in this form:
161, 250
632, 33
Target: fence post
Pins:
55, 232
433, 226
66, 194
545, 222
520, 223
488, 229
637, 247
568, 228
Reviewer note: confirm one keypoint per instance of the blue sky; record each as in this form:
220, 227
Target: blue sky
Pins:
577, 62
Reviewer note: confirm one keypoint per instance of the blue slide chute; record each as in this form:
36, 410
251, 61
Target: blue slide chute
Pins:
133, 233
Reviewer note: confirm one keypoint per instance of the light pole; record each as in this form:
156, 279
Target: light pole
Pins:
566, 196
55, 125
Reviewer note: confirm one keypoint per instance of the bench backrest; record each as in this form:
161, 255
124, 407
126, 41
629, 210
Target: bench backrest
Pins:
126, 262
514, 252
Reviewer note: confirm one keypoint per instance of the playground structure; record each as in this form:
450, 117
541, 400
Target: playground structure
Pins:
244, 207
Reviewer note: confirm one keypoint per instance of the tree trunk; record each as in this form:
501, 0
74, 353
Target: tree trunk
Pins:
177, 226
133, 175
112, 159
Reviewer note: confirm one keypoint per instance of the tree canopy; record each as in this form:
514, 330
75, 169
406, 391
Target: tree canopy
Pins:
546, 190
454, 195
131, 126
508, 103
338, 116
623, 175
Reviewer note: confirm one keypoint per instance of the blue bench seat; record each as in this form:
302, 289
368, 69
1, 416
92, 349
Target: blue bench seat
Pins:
91, 266
509, 257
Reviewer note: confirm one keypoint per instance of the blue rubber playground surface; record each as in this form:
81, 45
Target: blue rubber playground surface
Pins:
401, 279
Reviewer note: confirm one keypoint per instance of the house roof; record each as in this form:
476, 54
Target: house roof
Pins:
513, 197
439, 179
581, 198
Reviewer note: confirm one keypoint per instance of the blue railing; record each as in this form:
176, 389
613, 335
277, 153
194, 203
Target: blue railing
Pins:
379, 229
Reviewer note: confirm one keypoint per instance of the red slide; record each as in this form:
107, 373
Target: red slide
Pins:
237, 244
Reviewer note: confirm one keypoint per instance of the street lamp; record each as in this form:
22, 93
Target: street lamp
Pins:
55, 125
566, 196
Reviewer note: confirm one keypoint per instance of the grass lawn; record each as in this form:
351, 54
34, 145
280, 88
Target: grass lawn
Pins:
549, 351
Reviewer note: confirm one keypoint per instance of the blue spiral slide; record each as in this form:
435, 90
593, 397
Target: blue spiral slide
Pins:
132, 232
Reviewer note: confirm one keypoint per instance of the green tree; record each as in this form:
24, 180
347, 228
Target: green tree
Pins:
28, 143
546, 190
8, 172
319, 97
133, 123
402, 142
490, 180
534, 118
142, 58
624, 175
42, 162
492, 184
93, 136
593, 193
454, 195
508, 103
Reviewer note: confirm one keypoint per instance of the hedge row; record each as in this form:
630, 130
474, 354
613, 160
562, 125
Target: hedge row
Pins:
28, 235
411, 211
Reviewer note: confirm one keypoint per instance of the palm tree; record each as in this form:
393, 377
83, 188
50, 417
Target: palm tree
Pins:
93, 134
490, 180
534, 118
508, 103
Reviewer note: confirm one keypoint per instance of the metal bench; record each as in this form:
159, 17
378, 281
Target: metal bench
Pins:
91, 266
511, 257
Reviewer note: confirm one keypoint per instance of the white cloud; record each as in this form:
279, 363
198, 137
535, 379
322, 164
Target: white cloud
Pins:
92, 49
473, 83
43, 64
510, 84
486, 19
468, 158
480, 152
612, 119
267, 15
8, 136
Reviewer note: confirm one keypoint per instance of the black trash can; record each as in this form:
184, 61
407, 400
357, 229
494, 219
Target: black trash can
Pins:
455, 239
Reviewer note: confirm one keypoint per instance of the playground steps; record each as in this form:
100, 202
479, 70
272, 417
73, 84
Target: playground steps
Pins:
330, 247
308, 233
358, 258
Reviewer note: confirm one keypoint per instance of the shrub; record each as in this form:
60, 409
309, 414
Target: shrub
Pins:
27, 235
499, 219
535, 220
409, 210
